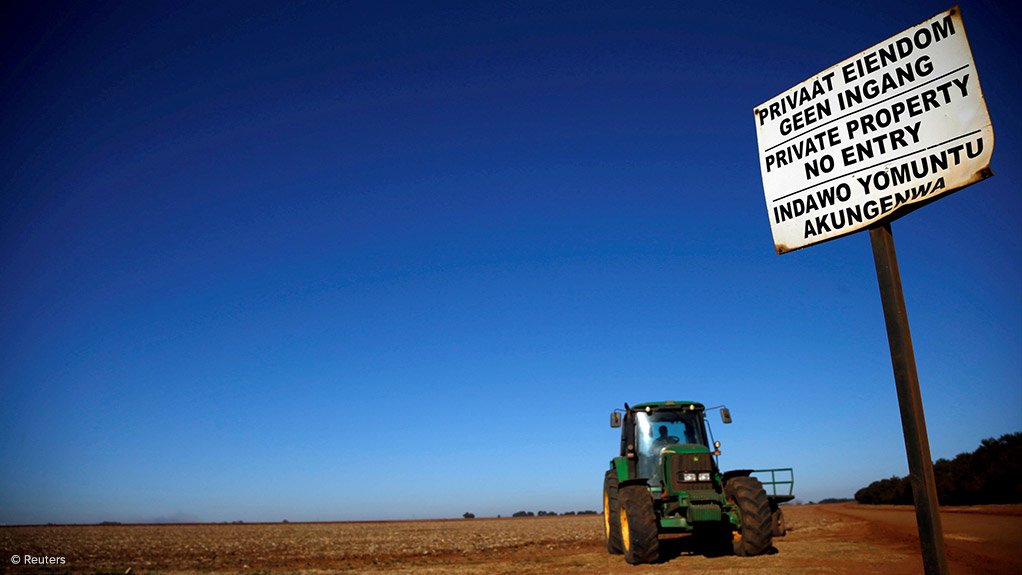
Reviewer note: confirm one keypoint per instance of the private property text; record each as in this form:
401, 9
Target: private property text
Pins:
870, 135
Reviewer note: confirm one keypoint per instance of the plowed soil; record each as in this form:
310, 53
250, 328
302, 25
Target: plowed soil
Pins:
843, 538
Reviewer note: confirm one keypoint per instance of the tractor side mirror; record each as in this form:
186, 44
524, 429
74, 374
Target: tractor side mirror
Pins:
615, 419
725, 415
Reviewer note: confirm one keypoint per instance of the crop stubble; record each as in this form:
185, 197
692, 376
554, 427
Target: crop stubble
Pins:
821, 540
293, 546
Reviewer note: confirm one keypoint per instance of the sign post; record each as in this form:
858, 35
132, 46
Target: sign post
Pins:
870, 139
906, 380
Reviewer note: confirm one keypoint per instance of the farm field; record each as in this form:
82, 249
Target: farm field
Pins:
838, 538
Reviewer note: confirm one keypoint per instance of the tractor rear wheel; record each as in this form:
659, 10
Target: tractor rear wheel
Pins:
611, 514
639, 525
755, 535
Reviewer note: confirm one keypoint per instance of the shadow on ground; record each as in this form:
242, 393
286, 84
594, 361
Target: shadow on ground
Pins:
673, 547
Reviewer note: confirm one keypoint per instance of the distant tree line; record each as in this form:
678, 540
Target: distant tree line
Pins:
551, 513
991, 474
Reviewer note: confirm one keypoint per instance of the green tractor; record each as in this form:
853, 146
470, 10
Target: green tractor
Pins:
666, 480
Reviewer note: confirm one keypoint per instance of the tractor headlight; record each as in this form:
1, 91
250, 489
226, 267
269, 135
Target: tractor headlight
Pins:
688, 476
705, 476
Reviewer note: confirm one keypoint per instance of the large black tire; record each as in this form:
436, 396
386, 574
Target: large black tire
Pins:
778, 527
611, 514
755, 535
639, 525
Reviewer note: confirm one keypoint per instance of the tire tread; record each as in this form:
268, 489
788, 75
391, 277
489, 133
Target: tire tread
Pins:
757, 520
613, 537
643, 526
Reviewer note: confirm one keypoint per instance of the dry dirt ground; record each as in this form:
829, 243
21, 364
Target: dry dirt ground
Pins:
843, 538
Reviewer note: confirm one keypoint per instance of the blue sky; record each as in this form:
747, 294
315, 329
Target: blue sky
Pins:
316, 261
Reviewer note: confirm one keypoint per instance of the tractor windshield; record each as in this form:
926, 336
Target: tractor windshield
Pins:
659, 429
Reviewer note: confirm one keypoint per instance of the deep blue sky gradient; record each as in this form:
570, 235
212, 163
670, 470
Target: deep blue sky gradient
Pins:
316, 261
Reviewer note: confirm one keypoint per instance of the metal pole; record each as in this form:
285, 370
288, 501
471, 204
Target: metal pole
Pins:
913, 424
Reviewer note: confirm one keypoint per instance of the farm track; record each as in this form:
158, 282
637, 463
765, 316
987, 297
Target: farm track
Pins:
843, 538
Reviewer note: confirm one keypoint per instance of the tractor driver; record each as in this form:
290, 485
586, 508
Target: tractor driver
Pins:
663, 440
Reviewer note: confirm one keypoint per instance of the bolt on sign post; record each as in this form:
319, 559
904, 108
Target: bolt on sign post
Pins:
868, 140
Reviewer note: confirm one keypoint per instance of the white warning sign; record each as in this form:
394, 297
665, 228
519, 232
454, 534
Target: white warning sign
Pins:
880, 134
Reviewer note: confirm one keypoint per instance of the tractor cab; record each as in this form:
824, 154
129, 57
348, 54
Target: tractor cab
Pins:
652, 431
655, 431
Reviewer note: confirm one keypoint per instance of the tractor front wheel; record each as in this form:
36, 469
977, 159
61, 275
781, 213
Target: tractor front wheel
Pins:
639, 525
777, 522
755, 535
611, 514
